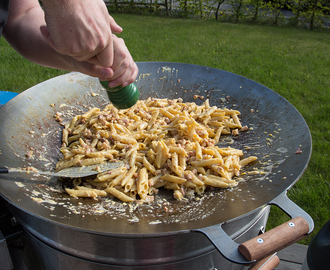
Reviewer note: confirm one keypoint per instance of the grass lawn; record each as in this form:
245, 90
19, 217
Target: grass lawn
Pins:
293, 62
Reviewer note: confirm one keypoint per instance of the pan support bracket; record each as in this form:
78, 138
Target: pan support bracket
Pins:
224, 244
230, 249
291, 209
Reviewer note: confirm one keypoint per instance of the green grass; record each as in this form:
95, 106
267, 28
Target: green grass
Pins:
17, 74
293, 62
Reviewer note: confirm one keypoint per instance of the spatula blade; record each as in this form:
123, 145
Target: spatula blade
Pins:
72, 172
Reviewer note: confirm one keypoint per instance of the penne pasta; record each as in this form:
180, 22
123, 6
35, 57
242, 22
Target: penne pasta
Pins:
120, 195
142, 186
164, 144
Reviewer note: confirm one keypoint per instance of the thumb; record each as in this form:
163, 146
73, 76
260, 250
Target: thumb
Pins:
115, 28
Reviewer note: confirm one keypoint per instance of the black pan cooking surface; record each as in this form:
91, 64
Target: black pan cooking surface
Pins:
277, 135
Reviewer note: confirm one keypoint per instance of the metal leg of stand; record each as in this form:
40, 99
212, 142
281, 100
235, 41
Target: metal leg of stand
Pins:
5, 259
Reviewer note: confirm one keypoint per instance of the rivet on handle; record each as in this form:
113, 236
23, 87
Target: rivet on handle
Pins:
260, 240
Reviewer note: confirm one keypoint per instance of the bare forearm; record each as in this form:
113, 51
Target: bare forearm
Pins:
22, 31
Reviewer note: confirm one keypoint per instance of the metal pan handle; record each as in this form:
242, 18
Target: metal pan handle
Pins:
262, 246
4, 170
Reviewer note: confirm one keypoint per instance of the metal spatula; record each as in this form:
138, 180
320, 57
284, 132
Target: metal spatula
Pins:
72, 172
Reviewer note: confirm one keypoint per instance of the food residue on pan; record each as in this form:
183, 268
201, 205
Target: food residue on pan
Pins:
144, 75
156, 213
167, 69
30, 154
160, 211
19, 184
199, 96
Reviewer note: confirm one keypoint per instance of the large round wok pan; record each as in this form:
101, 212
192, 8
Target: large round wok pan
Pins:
276, 132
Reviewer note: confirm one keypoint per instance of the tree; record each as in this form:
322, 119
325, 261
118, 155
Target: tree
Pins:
238, 8
256, 7
218, 7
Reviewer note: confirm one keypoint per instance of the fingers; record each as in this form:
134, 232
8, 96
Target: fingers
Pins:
121, 53
91, 69
115, 28
104, 58
97, 56
124, 67
126, 78
122, 71
124, 75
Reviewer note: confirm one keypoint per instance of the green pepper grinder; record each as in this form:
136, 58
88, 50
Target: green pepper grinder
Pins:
122, 97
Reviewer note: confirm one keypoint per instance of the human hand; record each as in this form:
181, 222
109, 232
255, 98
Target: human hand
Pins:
123, 71
81, 29
124, 67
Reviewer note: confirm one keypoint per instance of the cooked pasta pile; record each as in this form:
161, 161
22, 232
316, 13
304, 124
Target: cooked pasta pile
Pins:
164, 144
